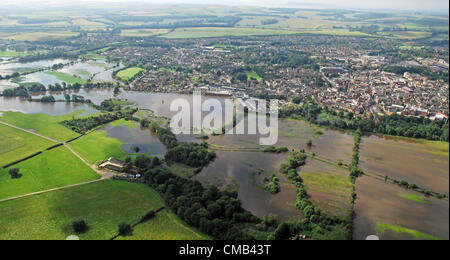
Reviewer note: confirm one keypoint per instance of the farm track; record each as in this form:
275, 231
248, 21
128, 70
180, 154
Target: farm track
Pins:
50, 190
104, 174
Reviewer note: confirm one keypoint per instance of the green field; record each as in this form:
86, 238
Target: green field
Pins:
66, 77
252, 75
43, 124
16, 144
165, 226
382, 227
96, 147
205, 32
12, 54
103, 205
51, 169
415, 198
129, 73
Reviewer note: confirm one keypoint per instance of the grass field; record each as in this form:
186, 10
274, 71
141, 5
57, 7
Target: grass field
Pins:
129, 73
103, 205
415, 198
12, 54
66, 77
16, 144
205, 32
143, 32
43, 124
96, 147
253, 75
382, 227
39, 36
55, 168
165, 226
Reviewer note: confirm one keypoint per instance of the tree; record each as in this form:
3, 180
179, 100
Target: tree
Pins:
309, 143
14, 172
125, 229
80, 226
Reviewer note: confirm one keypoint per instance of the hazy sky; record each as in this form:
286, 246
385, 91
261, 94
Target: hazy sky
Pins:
369, 4
418, 5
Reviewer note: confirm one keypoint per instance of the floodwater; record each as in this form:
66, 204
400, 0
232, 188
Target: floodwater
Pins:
147, 142
54, 109
10, 68
232, 170
425, 164
92, 67
95, 95
380, 202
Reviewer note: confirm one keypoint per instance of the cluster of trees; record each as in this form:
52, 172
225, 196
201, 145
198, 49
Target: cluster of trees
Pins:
82, 125
165, 135
355, 171
14, 173
394, 124
273, 149
64, 86
269, 21
14, 75
48, 99
400, 70
192, 154
20, 91
110, 105
317, 224
272, 185
214, 212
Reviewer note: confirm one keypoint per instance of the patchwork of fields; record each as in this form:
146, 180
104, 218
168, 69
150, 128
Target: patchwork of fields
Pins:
103, 205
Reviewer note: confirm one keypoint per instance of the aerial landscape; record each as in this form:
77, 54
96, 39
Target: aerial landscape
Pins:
92, 92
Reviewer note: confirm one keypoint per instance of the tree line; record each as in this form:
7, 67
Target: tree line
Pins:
397, 125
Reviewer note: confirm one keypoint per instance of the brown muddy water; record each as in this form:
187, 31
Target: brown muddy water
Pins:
425, 164
232, 170
381, 202
147, 142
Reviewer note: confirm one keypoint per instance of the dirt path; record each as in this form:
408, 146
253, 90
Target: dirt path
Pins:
50, 190
29, 131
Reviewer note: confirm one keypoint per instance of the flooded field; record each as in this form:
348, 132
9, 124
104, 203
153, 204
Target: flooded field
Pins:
10, 68
131, 137
233, 170
54, 109
379, 204
329, 186
423, 163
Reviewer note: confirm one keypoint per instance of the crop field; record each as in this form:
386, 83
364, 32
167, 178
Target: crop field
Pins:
66, 77
55, 168
103, 205
39, 36
129, 73
329, 187
206, 32
97, 146
43, 124
16, 144
143, 32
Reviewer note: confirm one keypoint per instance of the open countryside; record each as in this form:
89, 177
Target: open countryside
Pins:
88, 101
